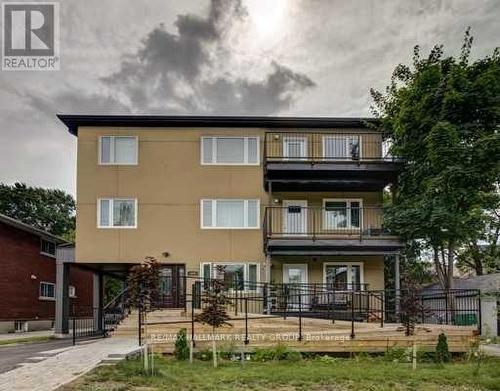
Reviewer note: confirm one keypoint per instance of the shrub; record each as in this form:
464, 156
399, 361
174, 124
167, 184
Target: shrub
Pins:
396, 354
280, 352
204, 355
263, 354
181, 351
442, 352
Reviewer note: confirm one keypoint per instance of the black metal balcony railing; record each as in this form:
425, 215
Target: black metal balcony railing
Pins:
324, 147
323, 223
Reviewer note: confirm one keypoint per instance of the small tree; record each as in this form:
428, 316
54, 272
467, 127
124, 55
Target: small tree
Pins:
442, 352
181, 351
412, 307
144, 283
214, 312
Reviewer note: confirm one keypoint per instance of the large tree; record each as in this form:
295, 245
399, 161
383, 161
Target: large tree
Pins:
442, 116
48, 209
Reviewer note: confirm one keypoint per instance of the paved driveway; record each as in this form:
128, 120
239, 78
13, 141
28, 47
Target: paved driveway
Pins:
12, 356
54, 368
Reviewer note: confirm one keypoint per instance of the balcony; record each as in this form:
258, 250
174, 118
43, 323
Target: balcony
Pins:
325, 161
297, 230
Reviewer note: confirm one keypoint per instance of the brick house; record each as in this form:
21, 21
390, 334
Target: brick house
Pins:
28, 278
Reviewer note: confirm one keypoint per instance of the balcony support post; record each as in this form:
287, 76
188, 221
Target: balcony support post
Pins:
267, 285
397, 284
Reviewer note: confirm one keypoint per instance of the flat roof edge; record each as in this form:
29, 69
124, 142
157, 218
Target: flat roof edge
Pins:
73, 121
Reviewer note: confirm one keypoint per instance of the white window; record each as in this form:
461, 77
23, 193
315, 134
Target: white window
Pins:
343, 275
230, 214
20, 326
342, 147
342, 214
118, 150
71, 291
237, 276
230, 150
48, 247
117, 213
47, 290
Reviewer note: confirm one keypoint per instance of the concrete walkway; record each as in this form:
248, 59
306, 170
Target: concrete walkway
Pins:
61, 366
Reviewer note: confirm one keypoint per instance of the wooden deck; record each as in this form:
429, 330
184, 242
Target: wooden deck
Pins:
318, 335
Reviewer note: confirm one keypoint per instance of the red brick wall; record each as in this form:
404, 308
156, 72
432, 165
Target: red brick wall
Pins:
20, 259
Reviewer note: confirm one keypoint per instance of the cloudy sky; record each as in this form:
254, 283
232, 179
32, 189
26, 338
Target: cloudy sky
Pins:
253, 57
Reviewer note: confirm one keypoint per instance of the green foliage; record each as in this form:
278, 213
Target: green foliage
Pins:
204, 355
112, 288
442, 117
442, 352
395, 354
48, 209
280, 352
181, 351
214, 311
143, 284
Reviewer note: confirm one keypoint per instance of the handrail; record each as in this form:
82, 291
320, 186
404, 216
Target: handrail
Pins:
325, 146
114, 299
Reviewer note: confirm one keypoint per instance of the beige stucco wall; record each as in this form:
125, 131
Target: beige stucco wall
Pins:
169, 182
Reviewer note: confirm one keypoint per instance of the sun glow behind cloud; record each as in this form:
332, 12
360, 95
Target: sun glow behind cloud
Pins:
267, 16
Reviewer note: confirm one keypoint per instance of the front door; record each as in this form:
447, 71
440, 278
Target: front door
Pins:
295, 217
295, 279
173, 286
294, 147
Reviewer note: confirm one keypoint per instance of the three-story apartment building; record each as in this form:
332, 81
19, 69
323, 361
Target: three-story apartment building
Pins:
283, 200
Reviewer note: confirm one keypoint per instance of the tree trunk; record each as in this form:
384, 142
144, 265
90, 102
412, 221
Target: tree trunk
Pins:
451, 258
214, 349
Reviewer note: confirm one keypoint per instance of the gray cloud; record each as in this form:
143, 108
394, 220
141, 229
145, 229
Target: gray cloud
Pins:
169, 72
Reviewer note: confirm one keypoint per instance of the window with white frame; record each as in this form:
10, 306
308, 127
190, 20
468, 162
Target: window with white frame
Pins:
344, 275
341, 214
230, 150
237, 276
47, 247
118, 150
342, 146
47, 290
117, 213
71, 291
230, 214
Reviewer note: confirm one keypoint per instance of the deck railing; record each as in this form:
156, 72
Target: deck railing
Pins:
298, 222
325, 147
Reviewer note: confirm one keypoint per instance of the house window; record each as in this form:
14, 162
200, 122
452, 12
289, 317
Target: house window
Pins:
47, 290
71, 291
342, 147
236, 276
118, 150
48, 247
341, 214
20, 326
230, 214
230, 150
343, 275
117, 213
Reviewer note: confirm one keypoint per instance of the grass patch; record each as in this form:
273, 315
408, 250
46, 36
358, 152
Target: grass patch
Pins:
14, 341
311, 374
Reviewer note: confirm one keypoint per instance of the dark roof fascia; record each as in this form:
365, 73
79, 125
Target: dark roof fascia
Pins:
28, 228
74, 121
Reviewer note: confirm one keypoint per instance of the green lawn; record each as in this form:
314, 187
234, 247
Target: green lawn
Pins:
13, 341
312, 374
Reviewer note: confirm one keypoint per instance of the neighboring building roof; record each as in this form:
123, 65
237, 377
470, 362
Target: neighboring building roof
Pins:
74, 121
486, 283
28, 228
